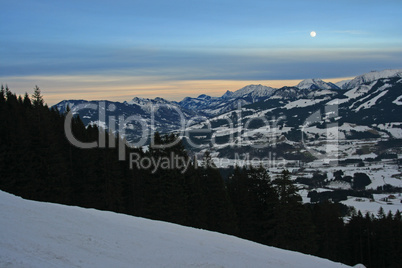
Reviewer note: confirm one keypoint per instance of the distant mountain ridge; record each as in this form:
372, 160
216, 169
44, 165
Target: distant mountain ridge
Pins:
168, 115
371, 76
228, 101
294, 119
207, 105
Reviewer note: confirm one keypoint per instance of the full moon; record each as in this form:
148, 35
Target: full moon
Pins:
313, 34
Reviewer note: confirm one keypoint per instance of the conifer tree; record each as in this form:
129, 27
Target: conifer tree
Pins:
8, 93
27, 102
253, 198
2, 95
381, 214
293, 228
221, 216
37, 98
329, 225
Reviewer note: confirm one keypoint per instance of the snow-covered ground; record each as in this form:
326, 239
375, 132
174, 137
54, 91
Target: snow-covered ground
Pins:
380, 173
36, 234
366, 205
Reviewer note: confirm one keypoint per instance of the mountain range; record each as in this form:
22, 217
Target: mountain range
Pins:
368, 106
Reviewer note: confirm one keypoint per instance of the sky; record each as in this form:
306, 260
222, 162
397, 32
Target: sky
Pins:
120, 49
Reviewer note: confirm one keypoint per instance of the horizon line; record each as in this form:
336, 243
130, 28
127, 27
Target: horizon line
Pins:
96, 87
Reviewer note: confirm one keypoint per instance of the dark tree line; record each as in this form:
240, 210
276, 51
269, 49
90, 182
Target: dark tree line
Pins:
37, 162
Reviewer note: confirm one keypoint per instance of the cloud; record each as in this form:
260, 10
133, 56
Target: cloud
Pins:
193, 63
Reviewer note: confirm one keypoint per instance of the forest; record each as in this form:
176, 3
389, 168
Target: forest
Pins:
38, 162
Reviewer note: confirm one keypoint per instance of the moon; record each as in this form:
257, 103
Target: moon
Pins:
313, 34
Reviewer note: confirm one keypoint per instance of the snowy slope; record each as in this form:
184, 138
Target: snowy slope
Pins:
341, 84
35, 234
148, 102
365, 205
255, 91
316, 84
372, 76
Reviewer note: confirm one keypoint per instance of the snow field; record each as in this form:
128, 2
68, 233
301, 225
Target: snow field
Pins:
36, 234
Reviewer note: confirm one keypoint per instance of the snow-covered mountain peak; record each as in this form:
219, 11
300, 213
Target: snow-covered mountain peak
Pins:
204, 97
146, 101
316, 84
216, 105
372, 76
228, 94
341, 84
138, 101
254, 90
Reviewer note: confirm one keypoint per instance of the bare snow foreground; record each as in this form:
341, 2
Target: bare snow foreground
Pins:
37, 234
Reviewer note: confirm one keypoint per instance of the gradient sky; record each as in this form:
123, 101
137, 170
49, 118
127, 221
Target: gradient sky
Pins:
120, 49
